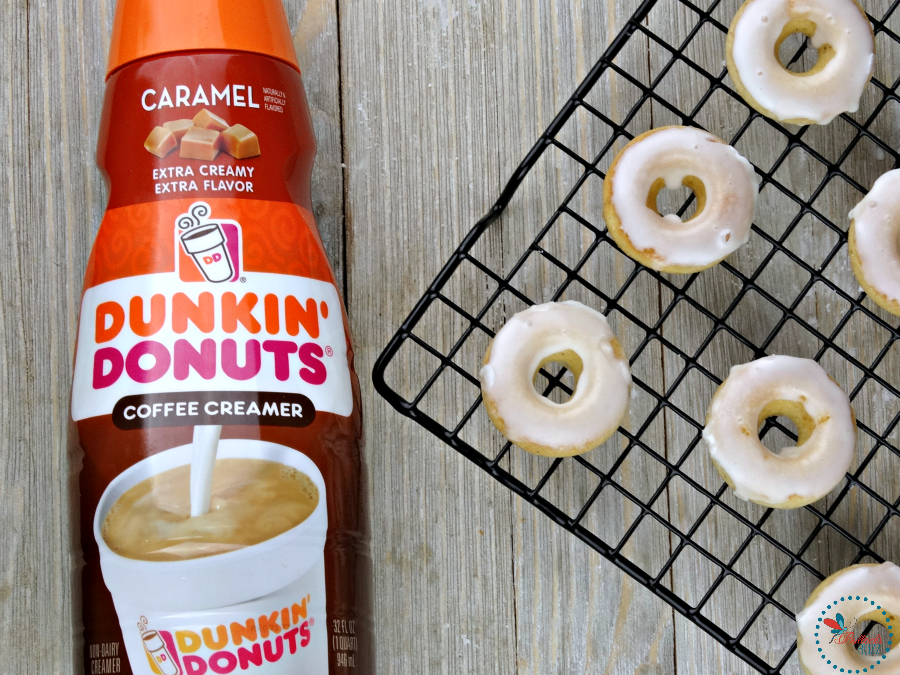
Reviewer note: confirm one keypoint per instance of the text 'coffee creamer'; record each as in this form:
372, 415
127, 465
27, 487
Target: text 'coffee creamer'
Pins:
214, 393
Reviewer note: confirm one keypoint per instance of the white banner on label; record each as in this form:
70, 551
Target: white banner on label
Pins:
157, 334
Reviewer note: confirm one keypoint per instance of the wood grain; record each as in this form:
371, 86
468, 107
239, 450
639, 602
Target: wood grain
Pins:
51, 200
423, 164
315, 24
421, 113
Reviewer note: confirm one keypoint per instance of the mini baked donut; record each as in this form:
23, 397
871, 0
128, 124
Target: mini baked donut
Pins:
577, 337
859, 594
839, 30
826, 428
723, 182
875, 242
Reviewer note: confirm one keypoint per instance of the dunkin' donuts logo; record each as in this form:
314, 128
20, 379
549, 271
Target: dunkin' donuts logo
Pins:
235, 647
156, 336
208, 249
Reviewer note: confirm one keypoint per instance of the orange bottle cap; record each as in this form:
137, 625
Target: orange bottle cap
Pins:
144, 28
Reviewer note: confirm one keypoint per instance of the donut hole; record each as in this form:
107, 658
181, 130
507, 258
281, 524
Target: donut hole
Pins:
871, 638
691, 197
775, 440
563, 370
792, 416
794, 52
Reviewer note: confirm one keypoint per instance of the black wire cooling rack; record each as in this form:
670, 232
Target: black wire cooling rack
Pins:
648, 500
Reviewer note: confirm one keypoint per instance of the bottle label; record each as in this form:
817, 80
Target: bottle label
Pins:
214, 392
182, 331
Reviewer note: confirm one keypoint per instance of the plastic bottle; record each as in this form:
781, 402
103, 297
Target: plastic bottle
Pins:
212, 331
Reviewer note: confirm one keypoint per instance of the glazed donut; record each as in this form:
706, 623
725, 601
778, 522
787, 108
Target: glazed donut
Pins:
840, 31
802, 391
875, 242
723, 182
860, 593
581, 339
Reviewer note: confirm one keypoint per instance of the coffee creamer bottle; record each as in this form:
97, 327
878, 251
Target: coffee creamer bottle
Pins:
214, 394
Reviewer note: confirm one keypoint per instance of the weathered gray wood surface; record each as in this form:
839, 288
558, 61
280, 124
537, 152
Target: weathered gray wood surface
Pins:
421, 113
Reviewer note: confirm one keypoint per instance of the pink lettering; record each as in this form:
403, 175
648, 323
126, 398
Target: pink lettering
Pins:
113, 357
273, 656
248, 656
203, 362
291, 637
315, 371
194, 665
162, 361
216, 662
281, 351
252, 360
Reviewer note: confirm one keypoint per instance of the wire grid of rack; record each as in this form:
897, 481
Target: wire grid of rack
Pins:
787, 543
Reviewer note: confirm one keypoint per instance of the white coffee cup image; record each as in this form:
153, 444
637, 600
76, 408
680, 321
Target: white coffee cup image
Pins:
259, 609
206, 245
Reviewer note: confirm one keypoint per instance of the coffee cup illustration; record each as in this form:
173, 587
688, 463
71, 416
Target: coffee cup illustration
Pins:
159, 654
262, 604
206, 245
212, 245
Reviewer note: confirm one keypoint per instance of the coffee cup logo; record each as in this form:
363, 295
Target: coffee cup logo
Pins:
213, 246
159, 654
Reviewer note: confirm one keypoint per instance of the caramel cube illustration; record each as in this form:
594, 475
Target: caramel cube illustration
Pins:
179, 128
207, 120
239, 142
200, 144
160, 142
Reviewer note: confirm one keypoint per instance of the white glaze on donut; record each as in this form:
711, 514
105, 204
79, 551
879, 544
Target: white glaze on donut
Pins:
602, 391
879, 584
819, 96
798, 475
674, 154
876, 237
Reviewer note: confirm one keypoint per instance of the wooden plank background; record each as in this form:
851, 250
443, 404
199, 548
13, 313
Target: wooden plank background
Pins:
421, 109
